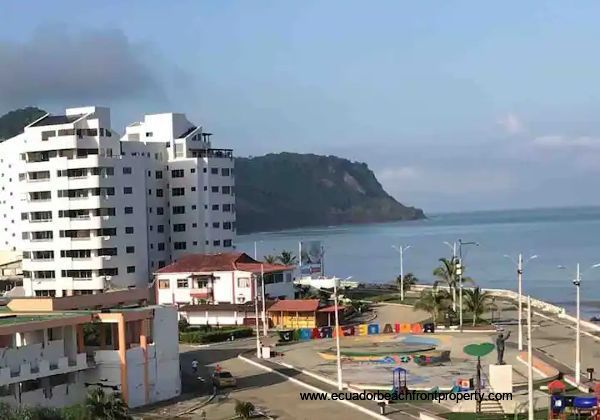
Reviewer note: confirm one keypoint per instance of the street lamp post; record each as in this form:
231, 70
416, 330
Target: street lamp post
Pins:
401, 250
459, 271
529, 360
519, 265
577, 283
337, 332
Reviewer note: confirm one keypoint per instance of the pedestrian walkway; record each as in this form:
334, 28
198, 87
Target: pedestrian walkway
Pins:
402, 410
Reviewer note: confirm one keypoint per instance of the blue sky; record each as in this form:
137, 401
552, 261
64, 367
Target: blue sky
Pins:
455, 105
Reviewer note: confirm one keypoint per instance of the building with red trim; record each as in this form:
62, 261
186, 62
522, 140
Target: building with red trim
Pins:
225, 278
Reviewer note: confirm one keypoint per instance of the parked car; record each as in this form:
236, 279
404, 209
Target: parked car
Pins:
223, 379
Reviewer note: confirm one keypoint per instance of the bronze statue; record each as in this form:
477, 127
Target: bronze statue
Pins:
500, 347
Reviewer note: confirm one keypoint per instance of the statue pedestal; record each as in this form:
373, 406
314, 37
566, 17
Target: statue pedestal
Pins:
501, 378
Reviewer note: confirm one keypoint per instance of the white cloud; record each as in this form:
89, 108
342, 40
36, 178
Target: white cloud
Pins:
570, 143
511, 123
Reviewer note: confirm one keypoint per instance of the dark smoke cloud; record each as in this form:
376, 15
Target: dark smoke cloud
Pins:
56, 66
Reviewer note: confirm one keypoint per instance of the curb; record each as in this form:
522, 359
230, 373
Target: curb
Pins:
314, 389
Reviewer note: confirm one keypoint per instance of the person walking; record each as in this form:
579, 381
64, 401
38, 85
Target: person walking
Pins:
195, 366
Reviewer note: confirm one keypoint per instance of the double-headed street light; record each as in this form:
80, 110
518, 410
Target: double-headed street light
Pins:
519, 263
401, 250
577, 283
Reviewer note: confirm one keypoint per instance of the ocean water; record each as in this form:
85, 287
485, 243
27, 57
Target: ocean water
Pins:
558, 236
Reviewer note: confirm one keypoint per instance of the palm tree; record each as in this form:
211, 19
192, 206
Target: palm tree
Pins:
244, 409
433, 301
477, 302
104, 406
287, 258
446, 273
409, 281
270, 259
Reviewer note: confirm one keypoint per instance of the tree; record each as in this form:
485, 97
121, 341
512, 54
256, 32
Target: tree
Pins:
104, 406
446, 273
409, 281
270, 259
287, 258
244, 409
477, 302
433, 301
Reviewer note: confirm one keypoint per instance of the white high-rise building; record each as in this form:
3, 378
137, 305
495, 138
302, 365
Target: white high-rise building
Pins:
91, 211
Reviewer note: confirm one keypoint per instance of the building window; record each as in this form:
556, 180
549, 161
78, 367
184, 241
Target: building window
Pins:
193, 207
130, 249
159, 192
163, 284
158, 174
226, 208
227, 225
128, 210
214, 171
225, 171
217, 243
127, 190
215, 207
180, 245
126, 170
177, 173
149, 191
194, 225
176, 192
226, 190
214, 189
45, 293
131, 269
178, 209
149, 134
193, 170
129, 229
195, 243
216, 225
161, 264
227, 243
161, 246
160, 211
182, 283
193, 189
179, 227
160, 228
243, 282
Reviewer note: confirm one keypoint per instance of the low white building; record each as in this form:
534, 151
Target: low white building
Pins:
46, 358
217, 279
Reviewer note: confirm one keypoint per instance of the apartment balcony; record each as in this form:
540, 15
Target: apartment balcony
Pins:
33, 362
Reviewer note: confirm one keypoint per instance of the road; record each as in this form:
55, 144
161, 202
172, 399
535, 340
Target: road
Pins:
265, 390
555, 339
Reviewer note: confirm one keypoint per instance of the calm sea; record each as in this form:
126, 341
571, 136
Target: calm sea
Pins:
558, 236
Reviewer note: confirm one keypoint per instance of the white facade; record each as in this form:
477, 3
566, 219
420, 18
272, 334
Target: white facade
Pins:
44, 368
90, 210
226, 287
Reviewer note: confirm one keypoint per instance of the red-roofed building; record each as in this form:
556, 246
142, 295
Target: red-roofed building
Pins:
221, 278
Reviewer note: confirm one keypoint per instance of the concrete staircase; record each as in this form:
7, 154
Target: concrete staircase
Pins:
491, 407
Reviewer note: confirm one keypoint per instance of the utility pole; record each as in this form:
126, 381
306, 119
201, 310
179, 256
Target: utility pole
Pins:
337, 335
264, 308
459, 271
258, 355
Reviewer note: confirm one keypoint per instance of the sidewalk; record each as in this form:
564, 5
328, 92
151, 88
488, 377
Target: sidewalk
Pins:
393, 411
